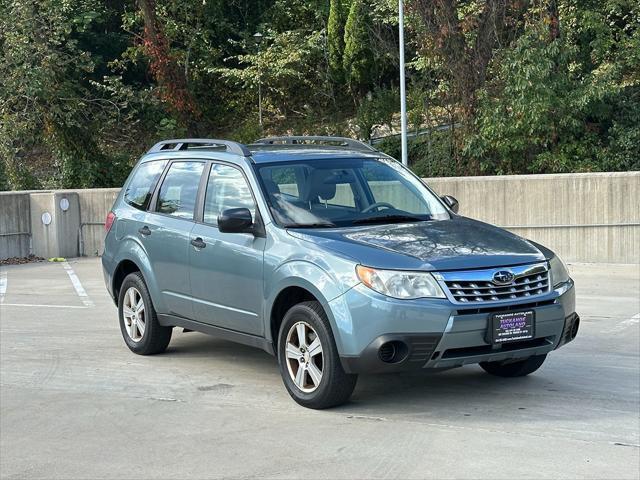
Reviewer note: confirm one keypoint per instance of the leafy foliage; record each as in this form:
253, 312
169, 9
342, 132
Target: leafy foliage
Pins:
376, 110
335, 39
358, 57
554, 107
495, 86
51, 100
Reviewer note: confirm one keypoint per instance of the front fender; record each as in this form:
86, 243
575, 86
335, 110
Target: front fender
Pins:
304, 274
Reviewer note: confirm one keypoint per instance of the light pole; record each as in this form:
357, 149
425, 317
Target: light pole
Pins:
403, 92
257, 38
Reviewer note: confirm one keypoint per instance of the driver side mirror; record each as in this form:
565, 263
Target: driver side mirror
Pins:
235, 220
451, 202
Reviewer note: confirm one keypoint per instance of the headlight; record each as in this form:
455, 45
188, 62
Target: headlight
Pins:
398, 284
559, 273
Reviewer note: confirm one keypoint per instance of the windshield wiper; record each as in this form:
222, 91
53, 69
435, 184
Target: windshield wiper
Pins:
389, 219
310, 225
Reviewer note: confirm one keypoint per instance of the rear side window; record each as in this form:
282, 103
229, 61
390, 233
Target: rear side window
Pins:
179, 189
140, 188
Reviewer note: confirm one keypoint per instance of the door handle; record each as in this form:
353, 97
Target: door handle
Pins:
198, 242
144, 231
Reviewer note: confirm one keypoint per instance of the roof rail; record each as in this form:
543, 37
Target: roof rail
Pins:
302, 139
184, 143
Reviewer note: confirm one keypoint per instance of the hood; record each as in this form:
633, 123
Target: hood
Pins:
454, 244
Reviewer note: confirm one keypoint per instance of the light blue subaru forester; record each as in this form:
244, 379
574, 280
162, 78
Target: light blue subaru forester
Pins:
331, 256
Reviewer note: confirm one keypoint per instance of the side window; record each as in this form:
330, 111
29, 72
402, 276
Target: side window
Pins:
139, 190
226, 188
179, 189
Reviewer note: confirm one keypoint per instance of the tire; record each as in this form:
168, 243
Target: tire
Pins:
153, 338
334, 386
514, 369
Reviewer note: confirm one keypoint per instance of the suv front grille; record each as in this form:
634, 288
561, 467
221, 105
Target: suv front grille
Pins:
478, 285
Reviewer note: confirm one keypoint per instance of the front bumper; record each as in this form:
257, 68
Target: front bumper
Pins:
436, 334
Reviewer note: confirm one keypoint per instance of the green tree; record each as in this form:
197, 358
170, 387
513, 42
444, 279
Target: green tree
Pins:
358, 57
55, 113
503, 86
376, 110
564, 98
287, 66
335, 39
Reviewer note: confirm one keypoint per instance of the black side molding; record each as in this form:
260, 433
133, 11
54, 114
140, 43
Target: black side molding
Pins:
231, 335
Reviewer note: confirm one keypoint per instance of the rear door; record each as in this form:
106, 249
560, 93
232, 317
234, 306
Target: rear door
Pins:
166, 233
226, 271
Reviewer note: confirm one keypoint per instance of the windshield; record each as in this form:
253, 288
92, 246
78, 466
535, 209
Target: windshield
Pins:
346, 192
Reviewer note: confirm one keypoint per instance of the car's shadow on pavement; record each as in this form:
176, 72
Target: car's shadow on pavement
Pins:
465, 391
459, 388
211, 349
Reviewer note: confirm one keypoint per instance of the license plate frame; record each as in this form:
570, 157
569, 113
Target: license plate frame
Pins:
514, 326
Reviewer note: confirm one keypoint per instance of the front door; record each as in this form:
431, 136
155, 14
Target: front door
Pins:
226, 270
167, 234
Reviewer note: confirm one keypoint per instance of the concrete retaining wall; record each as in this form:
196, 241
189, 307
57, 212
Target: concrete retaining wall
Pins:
585, 217
76, 230
55, 235
591, 217
15, 225
94, 206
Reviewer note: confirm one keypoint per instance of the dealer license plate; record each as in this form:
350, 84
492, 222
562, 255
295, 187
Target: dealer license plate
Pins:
512, 326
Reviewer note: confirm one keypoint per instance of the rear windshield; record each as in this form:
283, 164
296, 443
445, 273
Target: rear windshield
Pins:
140, 188
346, 192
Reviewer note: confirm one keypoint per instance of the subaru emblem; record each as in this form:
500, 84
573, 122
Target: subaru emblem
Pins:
503, 277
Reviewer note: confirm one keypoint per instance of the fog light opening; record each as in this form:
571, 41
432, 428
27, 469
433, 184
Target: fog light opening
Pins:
393, 352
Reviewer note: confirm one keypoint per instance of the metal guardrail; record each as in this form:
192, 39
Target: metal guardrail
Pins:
412, 134
14, 234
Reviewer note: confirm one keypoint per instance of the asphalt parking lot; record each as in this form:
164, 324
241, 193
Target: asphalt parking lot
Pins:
75, 403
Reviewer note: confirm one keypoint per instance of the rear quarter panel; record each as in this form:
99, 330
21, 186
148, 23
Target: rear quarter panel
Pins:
122, 243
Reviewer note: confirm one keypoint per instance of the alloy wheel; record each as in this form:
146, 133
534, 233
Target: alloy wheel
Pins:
133, 311
304, 357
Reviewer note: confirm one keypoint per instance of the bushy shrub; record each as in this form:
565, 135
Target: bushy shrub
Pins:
429, 155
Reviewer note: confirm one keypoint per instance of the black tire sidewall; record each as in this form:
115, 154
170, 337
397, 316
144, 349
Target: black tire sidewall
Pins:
514, 369
331, 361
146, 345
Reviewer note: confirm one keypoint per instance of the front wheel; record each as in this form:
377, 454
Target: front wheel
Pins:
514, 369
309, 361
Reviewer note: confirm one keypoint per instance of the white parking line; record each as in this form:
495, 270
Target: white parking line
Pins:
34, 305
623, 325
77, 285
3, 285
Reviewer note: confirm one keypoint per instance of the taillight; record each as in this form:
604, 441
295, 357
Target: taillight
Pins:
111, 217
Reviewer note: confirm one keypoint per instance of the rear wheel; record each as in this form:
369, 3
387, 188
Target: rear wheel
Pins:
309, 361
138, 320
514, 369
